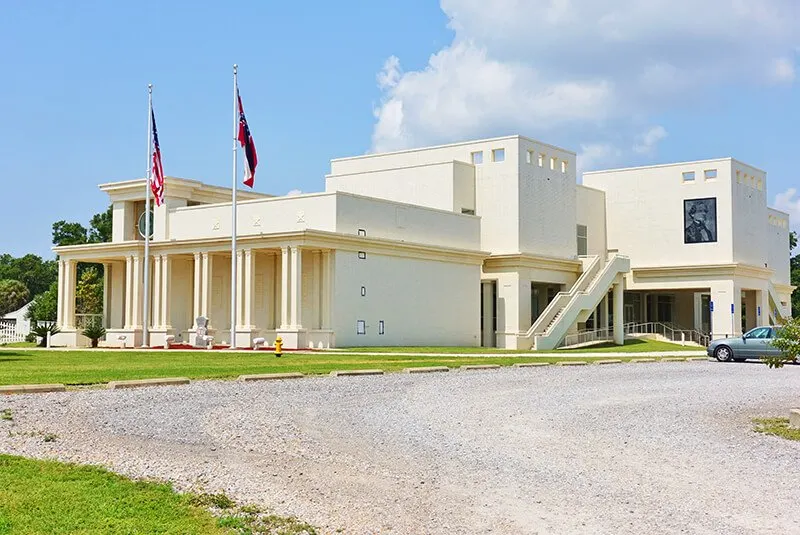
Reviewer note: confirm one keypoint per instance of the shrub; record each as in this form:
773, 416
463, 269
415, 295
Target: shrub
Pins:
94, 333
42, 330
787, 339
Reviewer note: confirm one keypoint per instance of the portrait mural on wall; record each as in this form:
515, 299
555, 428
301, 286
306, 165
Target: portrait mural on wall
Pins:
700, 220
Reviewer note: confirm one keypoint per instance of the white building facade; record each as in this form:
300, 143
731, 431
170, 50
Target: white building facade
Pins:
489, 243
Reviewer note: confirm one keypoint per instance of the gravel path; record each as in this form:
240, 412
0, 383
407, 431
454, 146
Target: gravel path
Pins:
624, 449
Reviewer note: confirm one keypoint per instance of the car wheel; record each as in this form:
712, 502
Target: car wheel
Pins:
723, 354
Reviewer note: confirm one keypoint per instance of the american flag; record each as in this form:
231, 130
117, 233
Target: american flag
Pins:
246, 140
157, 178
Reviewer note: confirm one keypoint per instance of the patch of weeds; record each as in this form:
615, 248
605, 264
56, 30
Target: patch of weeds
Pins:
5, 414
218, 501
776, 426
49, 437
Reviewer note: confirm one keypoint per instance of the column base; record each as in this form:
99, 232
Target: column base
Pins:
69, 337
245, 336
158, 337
293, 338
321, 339
114, 338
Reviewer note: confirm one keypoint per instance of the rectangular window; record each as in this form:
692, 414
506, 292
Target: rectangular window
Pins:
553, 162
362, 232
362, 255
477, 158
583, 240
541, 160
739, 177
381, 330
529, 156
563, 166
363, 291
760, 185
361, 327
688, 176
498, 155
710, 174
468, 211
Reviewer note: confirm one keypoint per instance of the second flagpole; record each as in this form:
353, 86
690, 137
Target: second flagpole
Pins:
233, 206
147, 229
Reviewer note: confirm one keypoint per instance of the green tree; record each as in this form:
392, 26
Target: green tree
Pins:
787, 339
65, 233
100, 227
13, 295
45, 305
35, 273
794, 267
71, 233
89, 291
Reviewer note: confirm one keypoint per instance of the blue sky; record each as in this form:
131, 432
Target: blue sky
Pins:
618, 84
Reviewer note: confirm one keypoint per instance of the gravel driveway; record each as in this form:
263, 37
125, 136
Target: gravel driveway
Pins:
622, 449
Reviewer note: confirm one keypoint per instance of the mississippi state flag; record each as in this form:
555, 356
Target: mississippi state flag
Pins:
157, 178
246, 140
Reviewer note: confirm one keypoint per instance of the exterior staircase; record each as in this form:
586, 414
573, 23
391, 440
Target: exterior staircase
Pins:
578, 303
775, 306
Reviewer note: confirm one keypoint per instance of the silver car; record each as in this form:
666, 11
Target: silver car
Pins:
753, 344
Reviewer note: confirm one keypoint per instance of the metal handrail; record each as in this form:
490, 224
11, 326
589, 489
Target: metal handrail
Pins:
675, 335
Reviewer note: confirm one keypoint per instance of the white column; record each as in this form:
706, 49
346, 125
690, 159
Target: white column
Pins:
327, 288
723, 322
487, 328
603, 320
61, 294
619, 312
166, 290
285, 288
129, 292
240, 289
69, 303
106, 294
198, 284
155, 302
316, 290
205, 288
136, 293
297, 288
249, 287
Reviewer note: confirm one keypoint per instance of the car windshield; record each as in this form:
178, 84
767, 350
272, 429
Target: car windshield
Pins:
760, 332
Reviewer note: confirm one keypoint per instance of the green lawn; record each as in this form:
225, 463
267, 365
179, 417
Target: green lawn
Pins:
631, 346
38, 497
82, 367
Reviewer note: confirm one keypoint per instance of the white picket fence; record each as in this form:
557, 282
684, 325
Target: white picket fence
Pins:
9, 334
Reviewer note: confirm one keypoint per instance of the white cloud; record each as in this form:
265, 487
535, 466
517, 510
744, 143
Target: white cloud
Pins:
294, 192
646, 142
782, 71
595, 156
580, 67
789, 201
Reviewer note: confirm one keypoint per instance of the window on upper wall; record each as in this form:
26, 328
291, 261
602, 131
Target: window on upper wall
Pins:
553, 162
760, 184
563, 166
361, 327
477, 158
688, 176
710, 174
541, 160
529, 156
381, 328
739, 177
583, 240
498, 155
468, 211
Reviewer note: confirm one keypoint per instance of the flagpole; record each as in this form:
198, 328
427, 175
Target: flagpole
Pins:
233, 206
146, 306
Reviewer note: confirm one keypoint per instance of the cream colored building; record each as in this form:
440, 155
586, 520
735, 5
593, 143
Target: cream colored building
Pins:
489, 242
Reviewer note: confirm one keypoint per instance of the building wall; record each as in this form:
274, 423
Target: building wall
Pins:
384, 219
181, 307
445, 185
645, 212
547, 200
777, 245
749, 196
421, 302
591, 211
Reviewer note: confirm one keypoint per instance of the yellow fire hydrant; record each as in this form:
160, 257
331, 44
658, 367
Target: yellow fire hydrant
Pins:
278, 346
